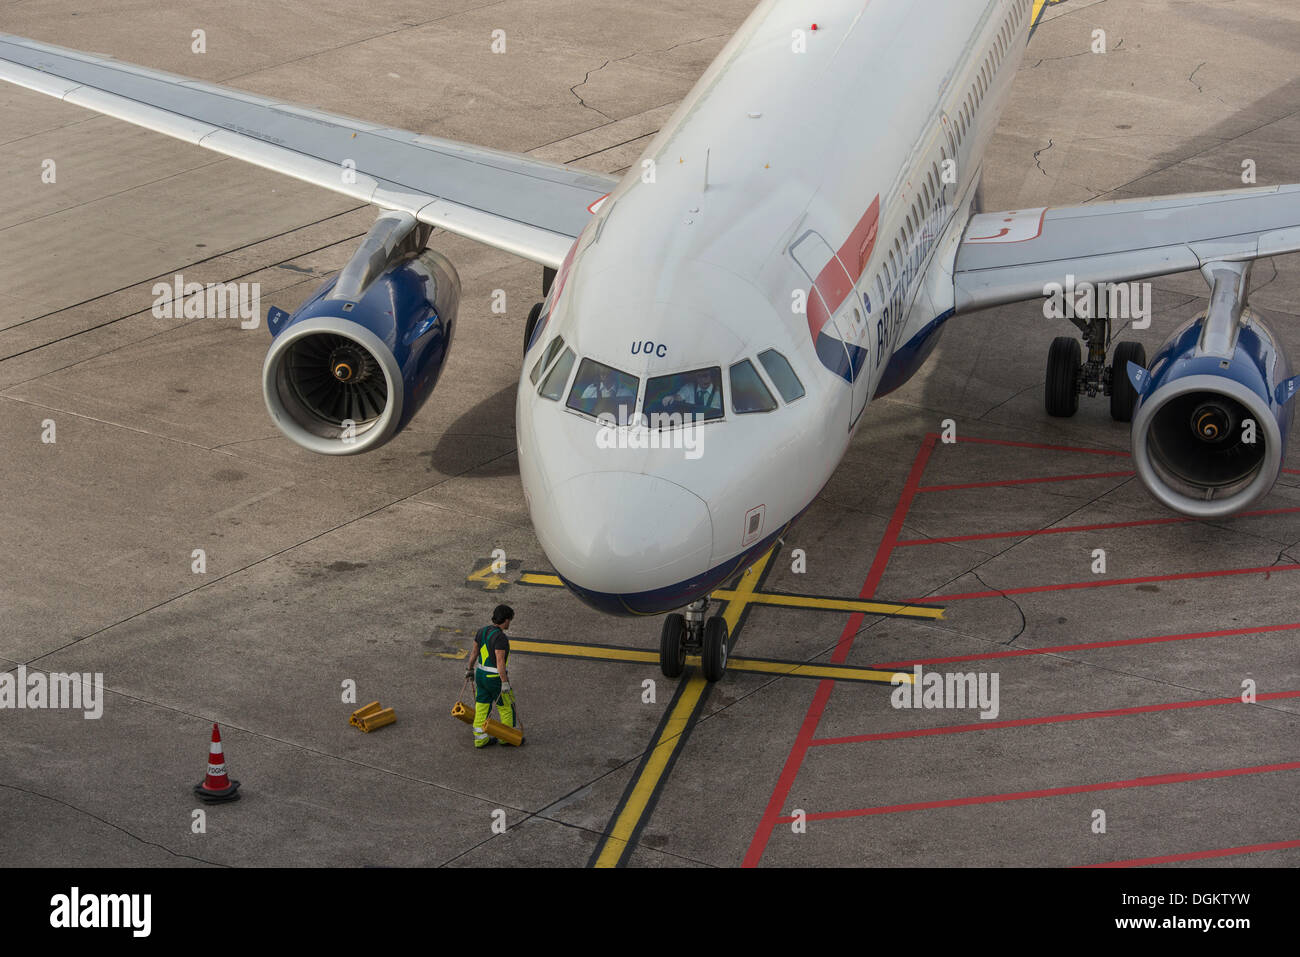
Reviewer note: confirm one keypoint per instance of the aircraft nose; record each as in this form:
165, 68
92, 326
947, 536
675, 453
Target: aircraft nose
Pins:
622, 532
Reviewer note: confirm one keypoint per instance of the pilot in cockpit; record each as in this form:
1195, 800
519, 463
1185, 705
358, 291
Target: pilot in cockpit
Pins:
610, 392
608, 387
700, 396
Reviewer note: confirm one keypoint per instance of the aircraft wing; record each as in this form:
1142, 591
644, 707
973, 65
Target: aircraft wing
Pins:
1012, 256
513, 202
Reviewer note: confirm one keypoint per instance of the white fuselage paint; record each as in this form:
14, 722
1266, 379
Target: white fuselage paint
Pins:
772, 149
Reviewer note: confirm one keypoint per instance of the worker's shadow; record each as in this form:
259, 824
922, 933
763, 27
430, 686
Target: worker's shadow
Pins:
485, 433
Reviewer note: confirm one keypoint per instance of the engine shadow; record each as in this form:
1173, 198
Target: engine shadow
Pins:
480, 425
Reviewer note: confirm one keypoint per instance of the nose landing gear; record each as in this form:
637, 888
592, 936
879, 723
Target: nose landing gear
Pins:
694, 632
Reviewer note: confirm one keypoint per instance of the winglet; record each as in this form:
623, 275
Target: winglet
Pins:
1140, 378
1287, 389
275, 320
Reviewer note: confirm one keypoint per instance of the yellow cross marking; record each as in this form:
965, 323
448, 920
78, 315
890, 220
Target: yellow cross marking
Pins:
746, 595
768, 666
839, 604
670, 736
666, 744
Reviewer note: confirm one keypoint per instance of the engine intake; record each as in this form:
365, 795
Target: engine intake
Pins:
1208, 446
352, 365
1209, 434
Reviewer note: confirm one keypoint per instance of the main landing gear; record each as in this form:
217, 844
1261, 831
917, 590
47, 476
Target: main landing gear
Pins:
548, 277
1069, 376
697, 633
533, 315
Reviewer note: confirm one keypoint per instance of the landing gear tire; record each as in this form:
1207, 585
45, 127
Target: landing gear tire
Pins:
1061, 395
1123, 397
672, 647
713, 656
531, 325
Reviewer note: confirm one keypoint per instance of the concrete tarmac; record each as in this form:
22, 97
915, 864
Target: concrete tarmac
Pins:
1119, 694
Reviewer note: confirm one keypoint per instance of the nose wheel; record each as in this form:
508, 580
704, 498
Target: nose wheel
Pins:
694, 632
672, 646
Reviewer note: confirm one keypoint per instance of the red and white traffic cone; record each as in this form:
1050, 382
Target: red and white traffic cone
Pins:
217, 786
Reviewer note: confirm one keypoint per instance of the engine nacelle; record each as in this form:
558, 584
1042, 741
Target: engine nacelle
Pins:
1210, 430
353, 364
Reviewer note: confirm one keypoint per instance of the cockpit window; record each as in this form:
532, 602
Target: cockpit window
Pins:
553, 384
783, 377
748, 394
547, 357
600, 390
686, 393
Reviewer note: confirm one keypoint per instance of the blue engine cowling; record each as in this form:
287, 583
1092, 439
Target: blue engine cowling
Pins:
1210, 429
344, 375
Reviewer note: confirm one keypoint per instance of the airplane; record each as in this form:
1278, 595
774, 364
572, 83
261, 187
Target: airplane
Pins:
787, 249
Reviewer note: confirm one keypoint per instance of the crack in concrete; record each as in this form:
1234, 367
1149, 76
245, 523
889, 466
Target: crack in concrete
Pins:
1037, 153
1015, 604
116, 827
574, 89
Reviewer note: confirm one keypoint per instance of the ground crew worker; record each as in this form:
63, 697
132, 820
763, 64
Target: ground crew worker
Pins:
491, 681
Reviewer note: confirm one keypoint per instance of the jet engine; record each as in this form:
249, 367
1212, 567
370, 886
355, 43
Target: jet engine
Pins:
1213, 413
353, 364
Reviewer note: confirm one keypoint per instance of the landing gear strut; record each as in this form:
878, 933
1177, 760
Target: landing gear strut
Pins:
695, 632
531, 325
1069, 375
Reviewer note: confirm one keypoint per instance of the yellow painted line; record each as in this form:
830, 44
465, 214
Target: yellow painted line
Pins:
664, 748
583, 651
848, 604
746, 594
1039, 7
538, 578
670, 737
762, 665
838, 672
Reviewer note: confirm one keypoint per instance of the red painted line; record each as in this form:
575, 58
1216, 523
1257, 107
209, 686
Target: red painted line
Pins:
1198, 855
1049, 719
1045, 448
1083, 646
1143, 782
1025, 481
1078, 528
793, 761
799, 750
886, 549
1071, 586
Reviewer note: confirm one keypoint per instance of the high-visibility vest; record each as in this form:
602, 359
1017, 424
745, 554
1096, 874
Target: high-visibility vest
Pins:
483, 654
